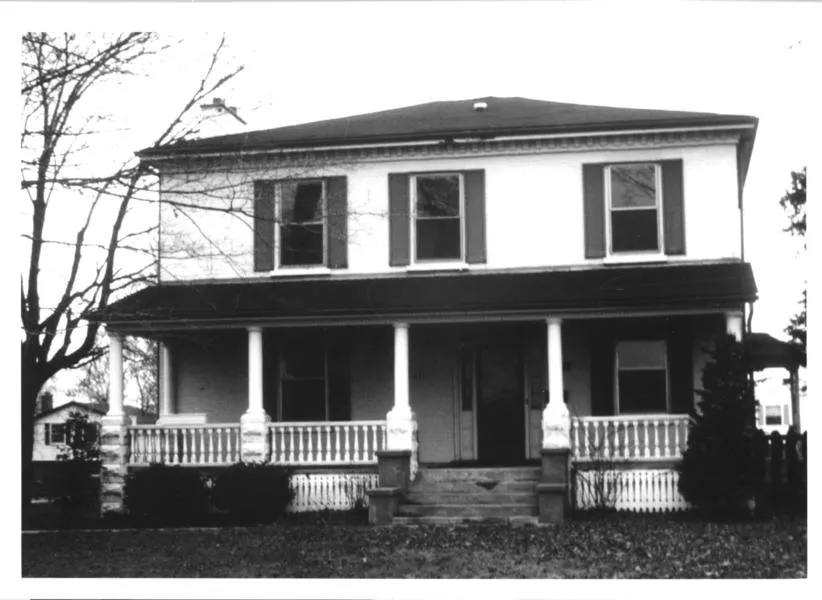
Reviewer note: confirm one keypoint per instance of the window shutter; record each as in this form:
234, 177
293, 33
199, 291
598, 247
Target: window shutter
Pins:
474, 216
48, 434
264, 225
399, 224
593, 186
337, 222
680, 365
673, 207
602, 370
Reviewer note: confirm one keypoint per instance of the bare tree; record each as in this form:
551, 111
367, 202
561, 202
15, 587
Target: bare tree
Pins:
61, 127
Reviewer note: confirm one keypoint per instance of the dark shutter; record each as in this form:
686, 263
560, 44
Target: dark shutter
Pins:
594, 202
399, 224
673, 207
264, 225
48, 434
602, 369
474, 216
680, 365
337, 222
339, 380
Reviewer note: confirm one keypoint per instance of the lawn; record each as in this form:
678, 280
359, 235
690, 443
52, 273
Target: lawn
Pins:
616, 547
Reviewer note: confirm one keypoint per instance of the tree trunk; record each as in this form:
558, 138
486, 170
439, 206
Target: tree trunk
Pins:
30, 385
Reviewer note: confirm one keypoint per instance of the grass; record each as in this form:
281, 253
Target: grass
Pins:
618, 546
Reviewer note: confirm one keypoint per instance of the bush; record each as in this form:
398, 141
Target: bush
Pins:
721, 470
253, 493
162, 495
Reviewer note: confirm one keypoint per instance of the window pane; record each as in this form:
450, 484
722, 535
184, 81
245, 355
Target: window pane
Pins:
633, 186
301, 244
773, 415
633, 230
58, 434
438, 238
642, 391
304, 400
641, 353
438, 196
302, 201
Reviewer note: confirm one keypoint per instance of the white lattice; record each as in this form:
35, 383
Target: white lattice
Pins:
330, 491
635, 490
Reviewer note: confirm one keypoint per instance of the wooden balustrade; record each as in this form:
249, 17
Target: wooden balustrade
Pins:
185, 444
629, 437
327, 443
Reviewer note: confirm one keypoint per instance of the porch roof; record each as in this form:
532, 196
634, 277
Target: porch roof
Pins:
590, 290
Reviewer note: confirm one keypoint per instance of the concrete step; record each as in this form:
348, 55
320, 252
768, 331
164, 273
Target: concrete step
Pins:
482, 474
476, 496
470, 487
516, 520
467, 510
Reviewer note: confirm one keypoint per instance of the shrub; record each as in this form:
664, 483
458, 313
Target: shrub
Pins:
162, 495
253, 493
720, 472
79, 463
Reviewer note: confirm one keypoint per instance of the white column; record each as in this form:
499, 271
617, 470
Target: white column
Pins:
115, 365
401, 423
556, 420
255, 371
166, 381
734, 324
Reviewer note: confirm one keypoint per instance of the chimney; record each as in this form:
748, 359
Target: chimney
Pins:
46, 402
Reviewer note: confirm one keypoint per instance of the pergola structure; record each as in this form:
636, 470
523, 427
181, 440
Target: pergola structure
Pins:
765, 352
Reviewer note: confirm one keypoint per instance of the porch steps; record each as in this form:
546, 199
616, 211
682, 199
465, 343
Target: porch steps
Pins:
455, 494
439, 520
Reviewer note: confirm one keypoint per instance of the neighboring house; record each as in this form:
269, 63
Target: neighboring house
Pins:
434, 289
50, 431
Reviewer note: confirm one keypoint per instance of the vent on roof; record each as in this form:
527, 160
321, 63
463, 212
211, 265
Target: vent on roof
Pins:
480, 106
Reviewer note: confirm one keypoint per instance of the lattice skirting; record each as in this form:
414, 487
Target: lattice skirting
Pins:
640, 490
330, 491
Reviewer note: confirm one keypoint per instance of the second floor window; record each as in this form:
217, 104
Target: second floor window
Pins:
634, 203
302, 223
438, 207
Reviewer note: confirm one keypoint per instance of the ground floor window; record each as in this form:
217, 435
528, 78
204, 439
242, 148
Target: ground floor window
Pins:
55, 434
641, 377
773, 415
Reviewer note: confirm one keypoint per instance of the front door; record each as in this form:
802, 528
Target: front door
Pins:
500, 404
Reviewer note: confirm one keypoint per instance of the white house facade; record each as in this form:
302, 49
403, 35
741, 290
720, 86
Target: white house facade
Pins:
494, 290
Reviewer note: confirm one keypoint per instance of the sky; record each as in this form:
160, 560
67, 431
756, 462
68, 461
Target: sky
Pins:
307, 61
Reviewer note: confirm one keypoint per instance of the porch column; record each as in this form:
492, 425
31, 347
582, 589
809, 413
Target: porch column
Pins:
166, 381
254, 446
552, 491
114, 434
397, 464
795, 419
734, 324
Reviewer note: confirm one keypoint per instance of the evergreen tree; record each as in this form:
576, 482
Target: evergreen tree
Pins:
719, 472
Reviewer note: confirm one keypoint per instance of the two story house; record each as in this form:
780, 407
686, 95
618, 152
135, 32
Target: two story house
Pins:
428, 296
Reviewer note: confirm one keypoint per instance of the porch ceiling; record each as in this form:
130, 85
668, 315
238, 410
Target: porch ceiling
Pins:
640, 288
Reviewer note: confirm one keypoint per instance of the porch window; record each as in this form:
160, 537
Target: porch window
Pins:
302, 223
438, 208
642, 377
304, 390
634, 207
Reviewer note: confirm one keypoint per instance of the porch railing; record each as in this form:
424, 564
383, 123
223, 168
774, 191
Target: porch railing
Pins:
327, 443
189, 444
629, 437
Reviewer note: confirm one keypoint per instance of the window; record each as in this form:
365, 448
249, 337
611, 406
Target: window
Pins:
55, 433
642, 377
773, 415
438, 207
304, 390
634, 207
301, 238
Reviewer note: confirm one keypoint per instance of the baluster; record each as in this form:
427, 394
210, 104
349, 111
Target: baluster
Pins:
677, 448
299, 433
666, 450
356, 432
654, 447
167, 441
338, 435
346, 444
185, 458
607, 439
290, 437
325, 446
635, 439
372, 444
595, 449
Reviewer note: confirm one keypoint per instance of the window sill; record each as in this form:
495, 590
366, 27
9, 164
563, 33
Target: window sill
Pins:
634, 258
296, 271
438, 266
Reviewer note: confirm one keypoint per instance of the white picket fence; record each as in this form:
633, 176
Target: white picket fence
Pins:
330, 491
327, 443
634, 490
189, 444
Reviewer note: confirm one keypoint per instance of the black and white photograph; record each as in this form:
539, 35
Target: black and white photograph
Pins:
324, 291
